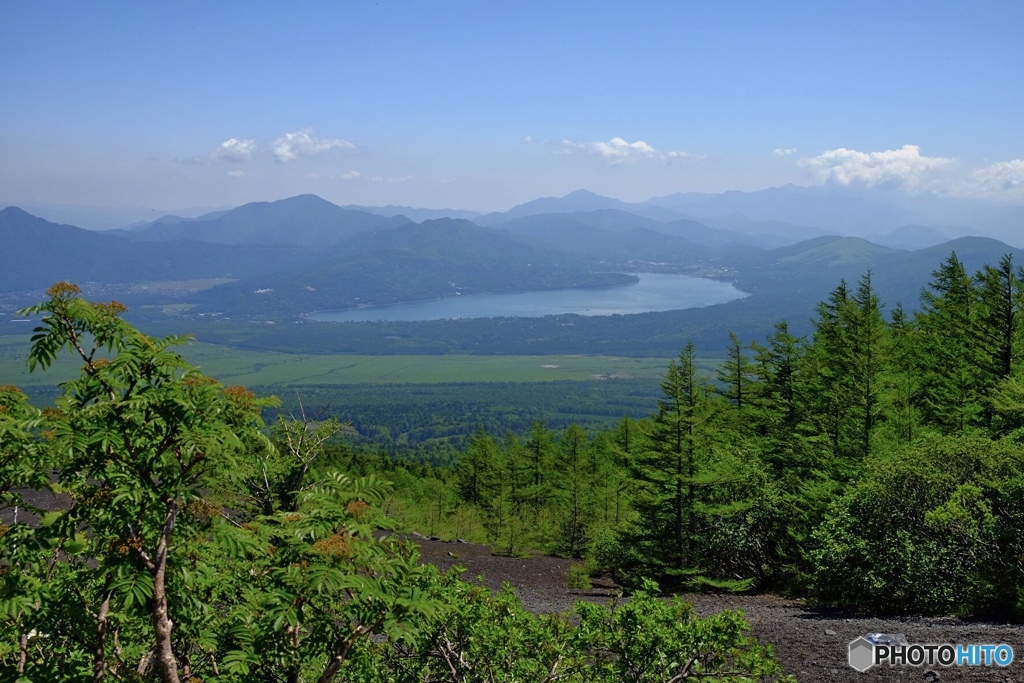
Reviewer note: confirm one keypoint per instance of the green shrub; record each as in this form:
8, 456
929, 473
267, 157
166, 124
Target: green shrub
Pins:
929, 528
578, 575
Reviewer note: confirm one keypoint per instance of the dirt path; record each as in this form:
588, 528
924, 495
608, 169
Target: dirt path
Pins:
810, 643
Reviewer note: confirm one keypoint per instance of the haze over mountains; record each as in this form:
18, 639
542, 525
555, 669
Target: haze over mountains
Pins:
791, 212
281, 259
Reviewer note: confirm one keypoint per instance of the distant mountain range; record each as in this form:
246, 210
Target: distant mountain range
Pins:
305, 220
787, 246
36, 253
789, 213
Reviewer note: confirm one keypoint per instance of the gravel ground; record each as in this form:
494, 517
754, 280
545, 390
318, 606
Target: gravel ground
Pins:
810, 643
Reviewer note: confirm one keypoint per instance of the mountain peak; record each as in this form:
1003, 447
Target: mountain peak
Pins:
15, 211
584, 194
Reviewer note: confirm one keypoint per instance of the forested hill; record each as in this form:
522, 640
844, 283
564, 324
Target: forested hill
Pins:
36, 253
305, 220
290, 257
437, 258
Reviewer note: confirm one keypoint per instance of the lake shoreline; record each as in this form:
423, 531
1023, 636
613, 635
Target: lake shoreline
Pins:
655, 292
411, 302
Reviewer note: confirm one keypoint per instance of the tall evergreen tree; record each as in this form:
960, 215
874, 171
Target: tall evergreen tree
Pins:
948, 357
902, 382
998, 328
832, 397
575, 480
846, 363
780, 405
539, 456
515, 469
668, 473
870, 345
999, 299
735, 374
477, 468
506, 523
625, 444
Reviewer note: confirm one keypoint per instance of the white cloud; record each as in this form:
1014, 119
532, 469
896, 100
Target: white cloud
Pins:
234, 150
351, 175
1004, 178
528, 139
291, 146
619, 151
236, 174
313, 176
905, 167
392, 179
447, 179
784, 151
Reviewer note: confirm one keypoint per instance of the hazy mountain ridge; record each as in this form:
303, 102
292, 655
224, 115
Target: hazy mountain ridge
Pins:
823, 206
580, 201
769, 217
303, 253
790, 213
305, 220
433, 259
417, 215
38, 253
170, 219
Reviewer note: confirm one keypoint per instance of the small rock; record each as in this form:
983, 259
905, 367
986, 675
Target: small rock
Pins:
931, 675
460, 540
829, 632
834, 671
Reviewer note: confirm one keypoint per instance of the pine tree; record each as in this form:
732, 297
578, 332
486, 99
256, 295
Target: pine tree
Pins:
477, 468
674, 475
575, 480
735, 374
999, 292
832, 396
515, 469
902, 382
625, 444
870, 346
505, 520
948, 357
999, 295
539, 457
779, 405
846, 362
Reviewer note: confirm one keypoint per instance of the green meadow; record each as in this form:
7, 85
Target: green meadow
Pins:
269, 368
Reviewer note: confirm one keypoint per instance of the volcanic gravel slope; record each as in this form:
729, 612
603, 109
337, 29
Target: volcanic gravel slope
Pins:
810, 643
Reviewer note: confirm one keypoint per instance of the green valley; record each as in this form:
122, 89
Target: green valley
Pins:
269, 368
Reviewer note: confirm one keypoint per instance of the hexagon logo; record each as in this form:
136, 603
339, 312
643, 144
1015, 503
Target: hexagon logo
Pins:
862, 654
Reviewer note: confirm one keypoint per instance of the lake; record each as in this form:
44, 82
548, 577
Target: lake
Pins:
654, 292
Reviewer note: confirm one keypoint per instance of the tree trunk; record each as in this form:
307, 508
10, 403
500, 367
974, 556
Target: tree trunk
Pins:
99, 667
167, 665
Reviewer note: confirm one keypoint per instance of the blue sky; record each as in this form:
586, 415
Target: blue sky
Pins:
482, 105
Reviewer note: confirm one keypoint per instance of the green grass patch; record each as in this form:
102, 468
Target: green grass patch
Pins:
269, 368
